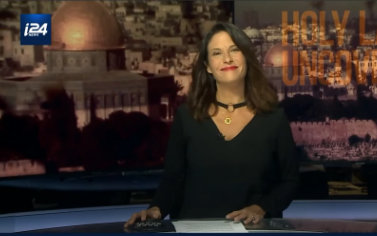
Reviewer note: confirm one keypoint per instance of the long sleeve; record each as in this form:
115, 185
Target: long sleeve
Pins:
282, 193
168, 194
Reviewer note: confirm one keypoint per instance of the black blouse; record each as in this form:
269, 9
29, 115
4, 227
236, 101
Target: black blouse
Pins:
208, 177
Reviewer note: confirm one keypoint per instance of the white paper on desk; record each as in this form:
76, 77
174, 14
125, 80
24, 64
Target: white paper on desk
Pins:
208, 226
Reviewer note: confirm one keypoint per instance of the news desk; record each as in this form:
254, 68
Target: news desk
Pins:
300, 216
265, 226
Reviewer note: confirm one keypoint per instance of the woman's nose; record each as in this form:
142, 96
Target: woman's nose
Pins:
227, 57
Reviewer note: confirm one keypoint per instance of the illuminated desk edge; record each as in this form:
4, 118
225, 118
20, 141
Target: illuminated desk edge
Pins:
310, 209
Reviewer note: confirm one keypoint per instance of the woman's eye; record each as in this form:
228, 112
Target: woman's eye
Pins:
216, 53
235, 49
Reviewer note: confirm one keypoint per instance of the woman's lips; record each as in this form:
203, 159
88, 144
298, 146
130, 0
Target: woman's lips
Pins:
229, 68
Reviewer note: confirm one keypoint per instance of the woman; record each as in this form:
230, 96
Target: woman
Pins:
231, 152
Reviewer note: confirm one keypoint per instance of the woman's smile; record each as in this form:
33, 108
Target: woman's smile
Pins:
229, 68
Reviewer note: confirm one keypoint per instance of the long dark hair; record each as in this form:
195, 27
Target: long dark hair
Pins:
260, 95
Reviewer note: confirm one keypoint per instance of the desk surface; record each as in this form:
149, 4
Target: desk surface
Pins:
266, 225
308, 214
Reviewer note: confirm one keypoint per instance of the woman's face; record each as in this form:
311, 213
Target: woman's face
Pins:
225, 60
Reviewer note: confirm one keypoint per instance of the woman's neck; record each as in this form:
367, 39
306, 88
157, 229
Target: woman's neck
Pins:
230, 94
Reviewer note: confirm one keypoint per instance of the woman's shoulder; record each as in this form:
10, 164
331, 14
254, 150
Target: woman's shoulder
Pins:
183, 109
274, 119
183, 112
275, 114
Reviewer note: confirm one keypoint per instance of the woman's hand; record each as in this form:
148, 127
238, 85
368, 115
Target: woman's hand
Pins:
153, 213
253, 213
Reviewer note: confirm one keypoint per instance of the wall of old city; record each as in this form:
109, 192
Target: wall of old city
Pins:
332, 130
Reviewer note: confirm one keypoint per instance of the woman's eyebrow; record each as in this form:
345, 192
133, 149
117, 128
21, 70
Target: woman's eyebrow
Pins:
231, 46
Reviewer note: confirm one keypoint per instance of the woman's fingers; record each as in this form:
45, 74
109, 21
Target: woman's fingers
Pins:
132, 219
153, 213
156, 214
249, 219
231, 215
143, 215
257, 219
242, 215
248, 215
236, 215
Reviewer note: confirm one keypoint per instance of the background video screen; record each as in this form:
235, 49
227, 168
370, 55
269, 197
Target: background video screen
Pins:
321, 57
103, 94
98, 102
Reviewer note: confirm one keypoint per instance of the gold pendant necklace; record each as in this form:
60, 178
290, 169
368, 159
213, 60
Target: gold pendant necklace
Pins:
227, 120
230, 108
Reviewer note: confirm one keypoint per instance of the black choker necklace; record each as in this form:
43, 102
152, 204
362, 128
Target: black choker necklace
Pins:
230, 108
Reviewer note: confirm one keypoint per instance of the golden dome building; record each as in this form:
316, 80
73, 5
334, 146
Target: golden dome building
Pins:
87, 58
85, 37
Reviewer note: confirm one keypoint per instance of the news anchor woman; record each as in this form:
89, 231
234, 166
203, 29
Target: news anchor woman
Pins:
231, 153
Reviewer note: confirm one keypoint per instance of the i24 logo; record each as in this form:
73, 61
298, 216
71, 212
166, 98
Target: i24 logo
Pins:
33, 29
